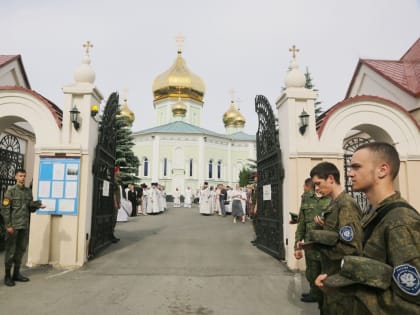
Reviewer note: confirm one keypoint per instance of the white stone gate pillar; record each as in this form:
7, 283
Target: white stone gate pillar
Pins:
63, 239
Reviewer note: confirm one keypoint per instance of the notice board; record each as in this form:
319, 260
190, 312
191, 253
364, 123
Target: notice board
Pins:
58, 185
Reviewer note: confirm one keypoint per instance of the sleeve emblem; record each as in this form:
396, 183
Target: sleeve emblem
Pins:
346, 233
6, 201
407, 278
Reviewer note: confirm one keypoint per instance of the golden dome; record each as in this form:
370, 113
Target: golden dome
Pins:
231, 115
178, 79
239, 121
126, 112
179, 108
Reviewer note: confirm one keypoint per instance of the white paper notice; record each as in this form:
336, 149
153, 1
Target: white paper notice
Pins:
105, 189
71, 190
44, 189
57, 189
66, 205
49, 203
58, 171
267, 192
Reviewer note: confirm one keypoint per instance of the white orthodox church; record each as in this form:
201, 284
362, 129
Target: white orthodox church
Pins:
178, 152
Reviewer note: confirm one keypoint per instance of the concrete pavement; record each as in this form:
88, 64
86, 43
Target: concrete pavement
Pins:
176, 263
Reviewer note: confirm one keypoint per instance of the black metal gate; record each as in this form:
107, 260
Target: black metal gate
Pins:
349, 147
10, 160
269, 225
103, 183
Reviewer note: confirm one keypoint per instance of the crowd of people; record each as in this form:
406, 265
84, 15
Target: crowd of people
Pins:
222, 200
360, 262
141, 200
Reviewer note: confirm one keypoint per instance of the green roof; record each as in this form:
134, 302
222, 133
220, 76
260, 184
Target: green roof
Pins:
186, 128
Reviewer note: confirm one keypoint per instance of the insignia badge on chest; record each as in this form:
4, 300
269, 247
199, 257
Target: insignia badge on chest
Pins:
407, 278
346, 233
6, 201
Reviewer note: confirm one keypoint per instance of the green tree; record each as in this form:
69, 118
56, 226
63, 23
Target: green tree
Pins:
244, 177
125, 158
309, 85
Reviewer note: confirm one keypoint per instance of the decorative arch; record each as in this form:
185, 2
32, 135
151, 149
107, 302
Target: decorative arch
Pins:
19, 104
382, 119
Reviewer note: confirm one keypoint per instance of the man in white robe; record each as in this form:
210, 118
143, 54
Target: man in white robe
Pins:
153, 200
204, 200
177, 198
188, 198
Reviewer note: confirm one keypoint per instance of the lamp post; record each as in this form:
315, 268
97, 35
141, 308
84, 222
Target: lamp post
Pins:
304, 122
74, 117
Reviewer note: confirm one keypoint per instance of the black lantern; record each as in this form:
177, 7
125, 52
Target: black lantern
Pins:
304, 122
74, 117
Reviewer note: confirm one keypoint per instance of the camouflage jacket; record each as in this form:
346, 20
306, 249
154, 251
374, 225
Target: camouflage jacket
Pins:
310, 206
17, 205
342, 216
394, 241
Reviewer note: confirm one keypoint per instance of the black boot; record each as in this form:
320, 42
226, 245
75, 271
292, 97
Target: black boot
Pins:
8, 278
17, 275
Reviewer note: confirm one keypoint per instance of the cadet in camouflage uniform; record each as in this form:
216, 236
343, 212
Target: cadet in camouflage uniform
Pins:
392, 234
342, 219
311, 206
16, 207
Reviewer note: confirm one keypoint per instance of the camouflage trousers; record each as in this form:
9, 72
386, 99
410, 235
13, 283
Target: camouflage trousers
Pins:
15, 247
313, 269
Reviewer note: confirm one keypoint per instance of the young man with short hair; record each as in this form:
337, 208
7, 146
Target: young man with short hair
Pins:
391, 235
341, 234
16, 208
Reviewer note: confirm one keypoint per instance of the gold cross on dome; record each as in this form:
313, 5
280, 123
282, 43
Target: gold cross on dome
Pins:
180, 41
232, 94
294, 50
88, 45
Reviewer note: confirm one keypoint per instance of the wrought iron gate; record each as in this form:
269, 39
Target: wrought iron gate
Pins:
269, 225
10, 160
103, 183
349, 147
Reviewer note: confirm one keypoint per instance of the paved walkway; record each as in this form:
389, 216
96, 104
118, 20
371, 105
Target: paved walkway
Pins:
176, 263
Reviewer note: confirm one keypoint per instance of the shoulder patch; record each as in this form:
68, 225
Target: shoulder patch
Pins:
346, 233
407, 278
6, 201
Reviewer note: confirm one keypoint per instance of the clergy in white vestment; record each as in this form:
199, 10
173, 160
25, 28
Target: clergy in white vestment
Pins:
162, 197
188, 198
177, 198
211, 199
125, 209
153, 200
145, 199
204, 200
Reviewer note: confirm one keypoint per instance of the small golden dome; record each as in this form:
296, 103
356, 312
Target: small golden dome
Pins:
179, 109
231, 115
178, 79
126, 112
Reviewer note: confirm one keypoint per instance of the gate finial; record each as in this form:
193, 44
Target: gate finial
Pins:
294, 50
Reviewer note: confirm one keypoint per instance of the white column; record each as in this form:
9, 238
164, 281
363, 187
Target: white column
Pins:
229, 162
155, 159
201, 163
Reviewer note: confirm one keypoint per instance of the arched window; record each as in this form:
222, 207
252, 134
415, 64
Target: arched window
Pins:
211, 169
219, 169
165, 167
145, 167
191, 167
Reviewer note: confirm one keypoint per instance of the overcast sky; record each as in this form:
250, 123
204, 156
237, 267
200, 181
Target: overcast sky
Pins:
231, 44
